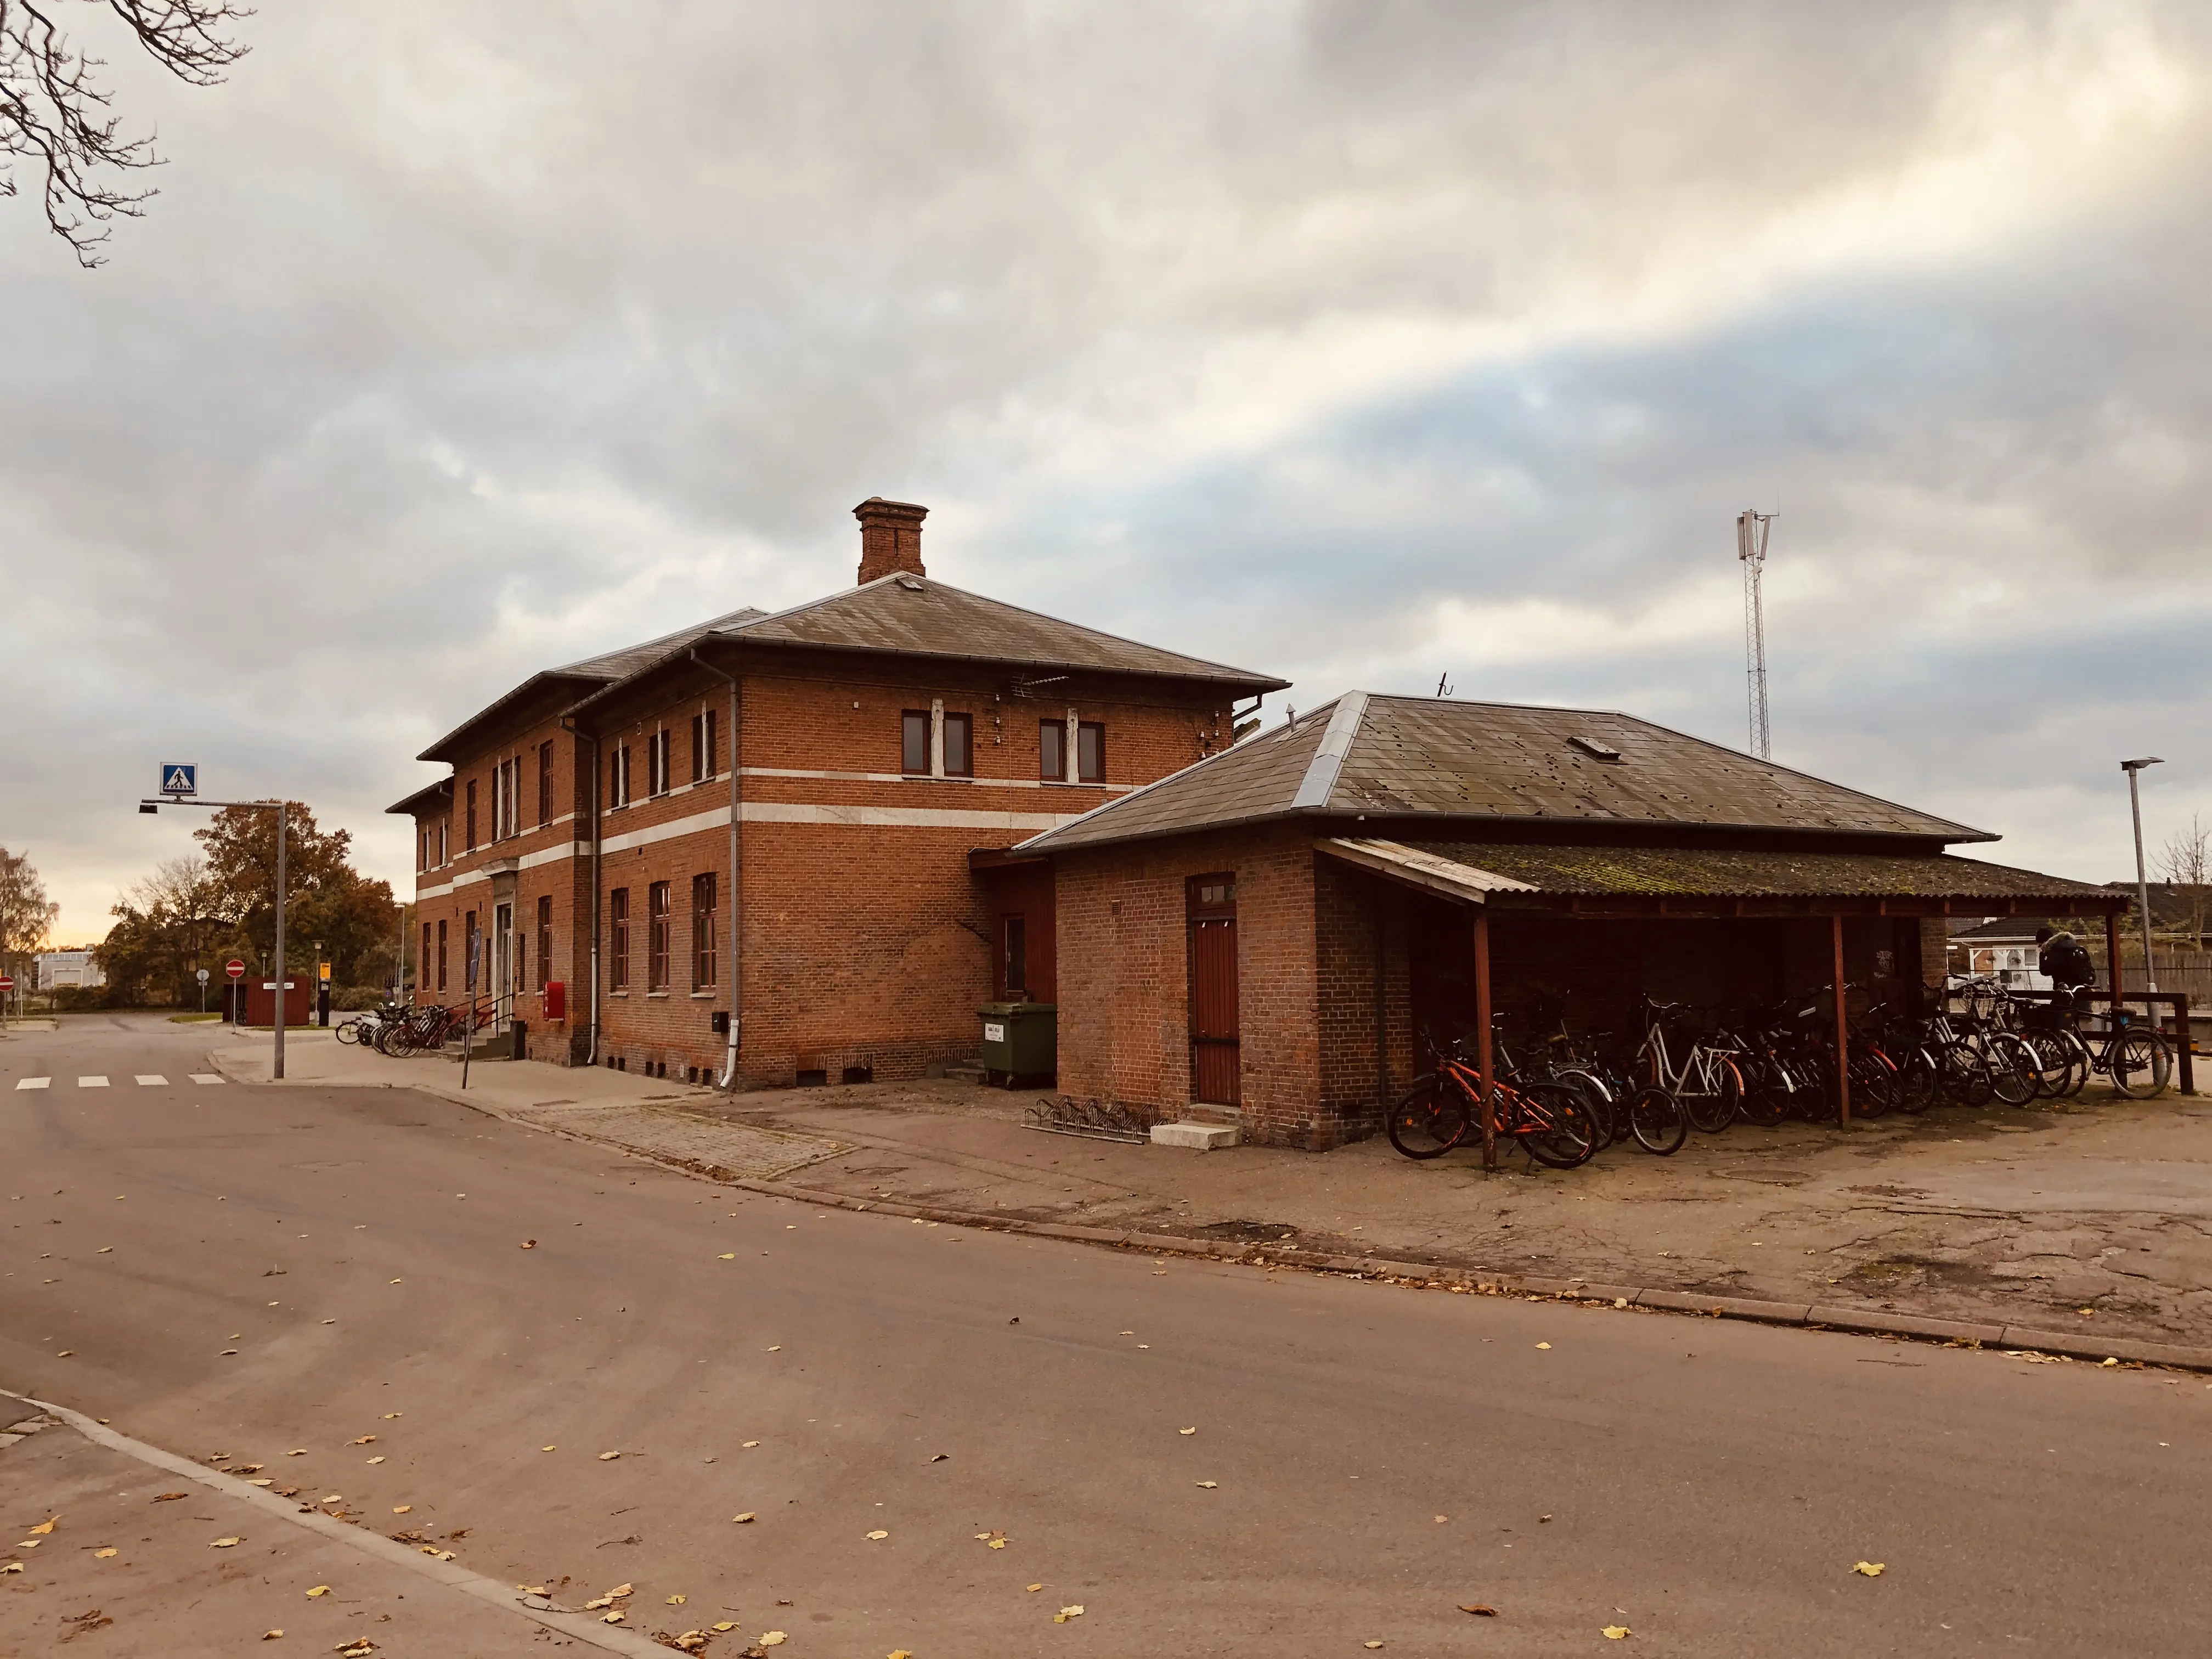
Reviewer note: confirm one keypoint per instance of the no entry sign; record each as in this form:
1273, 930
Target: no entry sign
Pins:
234, 968
7, 983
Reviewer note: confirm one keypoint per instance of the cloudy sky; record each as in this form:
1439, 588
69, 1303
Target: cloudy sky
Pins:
1363, 343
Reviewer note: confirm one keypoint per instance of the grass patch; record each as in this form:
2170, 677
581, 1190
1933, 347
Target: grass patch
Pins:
192, 1019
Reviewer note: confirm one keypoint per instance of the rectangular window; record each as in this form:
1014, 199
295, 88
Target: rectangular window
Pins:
618, 776
959, 746
1052, 750
445, 826
441, 953
1090, 752
703, 746
468, 951
544, 783
544, 936
656, 763
914, 749
703, 932
1017, 957
618, 938
422, 961
656, 944
470, 824
422, 848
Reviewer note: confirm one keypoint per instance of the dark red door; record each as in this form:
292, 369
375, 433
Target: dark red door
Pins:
1213, 1034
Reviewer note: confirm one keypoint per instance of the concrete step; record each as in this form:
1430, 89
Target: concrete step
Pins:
1199, 1137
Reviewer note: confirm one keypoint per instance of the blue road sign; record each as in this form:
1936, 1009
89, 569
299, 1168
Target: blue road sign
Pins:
179, 780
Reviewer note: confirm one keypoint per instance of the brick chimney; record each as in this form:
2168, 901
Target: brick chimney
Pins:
890, 537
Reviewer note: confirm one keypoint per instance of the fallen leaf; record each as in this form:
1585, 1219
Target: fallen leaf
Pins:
740, 1520
1186, 1431
1067, 1613
898, 1653
166, 1496
101, 1555
319, 1590
1479, 1609
402, 1509
2107, 1360
272, 1635
1868, 1569
222, 1543
360, 1648
226, 1353
773, 1638
334, 1498
1371, 1644
1614, 1633
528, 1244
261, 1483
775, 1347
390, 1416
749, 1444
727, 1255
1033, 1589
548, 1449
624, 1589
725, 1624
364, 1440
11, 1566
614, 1618
599, 1602
1543, 1345
45, 1526
878, 1534
1210, 1485
675, 1600
399, 1281
376, 1460
609, 1457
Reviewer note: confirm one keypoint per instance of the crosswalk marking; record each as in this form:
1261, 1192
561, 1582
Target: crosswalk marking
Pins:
153, 1078
33, 1081
92, 1083
205, 1077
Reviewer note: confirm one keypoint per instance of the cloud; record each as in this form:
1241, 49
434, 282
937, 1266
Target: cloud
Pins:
1360, 342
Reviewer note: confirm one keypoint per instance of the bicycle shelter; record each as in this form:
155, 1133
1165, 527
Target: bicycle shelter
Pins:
1400, 868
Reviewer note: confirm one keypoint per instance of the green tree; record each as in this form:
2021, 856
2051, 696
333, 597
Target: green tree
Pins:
166, 927
26, 914
355, 919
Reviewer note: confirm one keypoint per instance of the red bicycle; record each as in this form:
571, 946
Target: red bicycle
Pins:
1549, 1120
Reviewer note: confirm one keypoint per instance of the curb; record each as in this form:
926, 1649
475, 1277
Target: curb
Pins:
1806, 1316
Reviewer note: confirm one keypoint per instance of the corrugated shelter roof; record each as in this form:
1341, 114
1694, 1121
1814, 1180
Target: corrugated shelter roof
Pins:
914, 616
1667, 872
1399, 758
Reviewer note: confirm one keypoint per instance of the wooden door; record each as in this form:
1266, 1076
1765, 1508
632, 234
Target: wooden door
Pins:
1214, 1056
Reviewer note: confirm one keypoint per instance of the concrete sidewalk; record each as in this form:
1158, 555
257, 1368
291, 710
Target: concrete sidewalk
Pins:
2093, 1218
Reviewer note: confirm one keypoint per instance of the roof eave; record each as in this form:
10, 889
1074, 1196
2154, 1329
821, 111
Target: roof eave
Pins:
442, 750
1234, 679
407, 804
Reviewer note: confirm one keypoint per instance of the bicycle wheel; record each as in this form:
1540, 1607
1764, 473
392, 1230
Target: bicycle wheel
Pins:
1556, 1126
1965, 1077
2083, 1062
349, 1031
1605, 1113
1656, 1118
1431, 1120
2054, 1062
1713, 1109
2141, 1061
2013, 1068
1919, 1084
1765, 1090
1873, 1089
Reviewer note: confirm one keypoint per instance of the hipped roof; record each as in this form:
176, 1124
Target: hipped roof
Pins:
1375, 757
900, 614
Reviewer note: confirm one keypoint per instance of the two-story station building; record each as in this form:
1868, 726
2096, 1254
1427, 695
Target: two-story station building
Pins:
766, 848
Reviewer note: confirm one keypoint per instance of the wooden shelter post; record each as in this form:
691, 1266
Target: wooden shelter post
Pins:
1483, 1042
1842, 1027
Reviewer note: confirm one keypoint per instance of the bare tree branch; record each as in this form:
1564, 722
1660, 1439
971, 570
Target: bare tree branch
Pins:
53, 112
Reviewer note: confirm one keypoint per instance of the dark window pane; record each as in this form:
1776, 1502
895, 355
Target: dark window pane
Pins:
916, 754
1052, 750
1090, 752
959, 749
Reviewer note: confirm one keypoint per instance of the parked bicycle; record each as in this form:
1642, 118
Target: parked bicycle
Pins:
1549, 1121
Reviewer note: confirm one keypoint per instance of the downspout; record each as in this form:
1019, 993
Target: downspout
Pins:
591, 1052
730, 1058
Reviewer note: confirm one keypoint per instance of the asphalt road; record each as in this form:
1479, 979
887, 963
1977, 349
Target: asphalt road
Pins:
1207, 1459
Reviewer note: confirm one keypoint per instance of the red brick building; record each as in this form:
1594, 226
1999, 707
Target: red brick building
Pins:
1266, 938
807, 808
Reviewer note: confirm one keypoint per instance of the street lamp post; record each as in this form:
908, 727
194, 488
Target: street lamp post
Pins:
2133, 769
282, 810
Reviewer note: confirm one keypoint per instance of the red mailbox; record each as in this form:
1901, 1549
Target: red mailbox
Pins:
557, 1000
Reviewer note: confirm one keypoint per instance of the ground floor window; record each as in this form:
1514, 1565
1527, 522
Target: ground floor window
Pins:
703, 932
618, 938
441, 954
544, 937
656, 961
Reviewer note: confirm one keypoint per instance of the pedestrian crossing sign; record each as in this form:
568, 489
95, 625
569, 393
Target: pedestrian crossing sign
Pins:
181, 780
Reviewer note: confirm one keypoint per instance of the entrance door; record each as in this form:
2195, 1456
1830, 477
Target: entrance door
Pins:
1213, 1030
502, 956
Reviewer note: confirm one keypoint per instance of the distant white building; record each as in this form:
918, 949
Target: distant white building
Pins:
57, 969
2003, 946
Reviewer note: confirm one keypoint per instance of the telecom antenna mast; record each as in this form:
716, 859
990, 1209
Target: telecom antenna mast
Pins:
1751, 532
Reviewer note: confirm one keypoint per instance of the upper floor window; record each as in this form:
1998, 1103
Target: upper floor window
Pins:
703, 746
468, 823
444, 827
544, 783
1052, 750
656, 763
422, 848
959, 745
1091, 751
618, 776
914, 753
